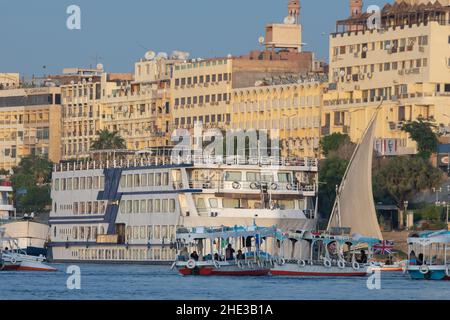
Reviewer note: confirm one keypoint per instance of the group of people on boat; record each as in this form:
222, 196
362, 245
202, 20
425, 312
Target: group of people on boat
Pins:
229, 255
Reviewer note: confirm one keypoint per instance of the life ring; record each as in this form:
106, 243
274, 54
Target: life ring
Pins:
173, 265
216, 264
341, 264
191, 264
355, 265
424, 269
289, 186
301, 263
327, 263
13, 260
281, 261
254, 185
236, 185
274, 186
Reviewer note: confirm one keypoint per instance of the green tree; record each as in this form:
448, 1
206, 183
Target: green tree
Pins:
108, 140
423, 132
333, 142
330, 175
31, 180
401, 178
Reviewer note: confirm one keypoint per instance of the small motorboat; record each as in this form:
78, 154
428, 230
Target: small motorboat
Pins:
322, 255
220, 244
12, 258
428, 255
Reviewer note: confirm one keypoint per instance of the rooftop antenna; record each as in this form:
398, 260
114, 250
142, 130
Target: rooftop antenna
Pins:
96, 59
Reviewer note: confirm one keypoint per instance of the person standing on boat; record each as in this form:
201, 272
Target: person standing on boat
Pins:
229, 253
240, 255
194, 256
412, 258
363, 257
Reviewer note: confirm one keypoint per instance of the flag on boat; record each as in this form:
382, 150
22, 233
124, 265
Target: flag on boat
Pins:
384, 247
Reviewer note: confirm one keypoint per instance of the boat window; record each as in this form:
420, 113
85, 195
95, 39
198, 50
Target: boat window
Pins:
136, 232
102, 182
149, 206
231, 203
137, 180
233, 176
165, 179
63, 187
81, 233
82, 183
143, 208
75, 232
75, 208
123, 206
158, 179
129, 206
129, 181
164, 233
56, 184
89, 183
172, 232
213, 203
128, 233
69, 184
165, 205
96, 182
144, 180
123, 181
283, 177
142, 232
172, 205
82, 208
157, 204
95, 210
286, 204
201, 203
253, 176
267, 177
102, 207
157, 232
89, 208
76, 183
135, 206
149, 232
151, 179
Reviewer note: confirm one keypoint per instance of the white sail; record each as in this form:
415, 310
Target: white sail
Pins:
354, 206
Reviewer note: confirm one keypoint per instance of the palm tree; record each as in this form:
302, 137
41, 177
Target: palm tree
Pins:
108, 140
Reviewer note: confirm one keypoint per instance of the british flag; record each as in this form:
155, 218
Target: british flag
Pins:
384, 247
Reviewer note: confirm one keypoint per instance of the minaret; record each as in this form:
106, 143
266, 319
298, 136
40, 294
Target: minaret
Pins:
356, 7
294, 10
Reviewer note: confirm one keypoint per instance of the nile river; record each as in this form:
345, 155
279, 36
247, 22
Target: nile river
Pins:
154, 282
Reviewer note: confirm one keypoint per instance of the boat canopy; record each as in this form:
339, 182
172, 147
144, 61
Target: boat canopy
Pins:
327, 238
190, 234
430, 237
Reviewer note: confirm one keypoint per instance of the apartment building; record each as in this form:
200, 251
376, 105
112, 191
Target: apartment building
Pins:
9, 80
403, 65
140, 110
287, 105
30, 124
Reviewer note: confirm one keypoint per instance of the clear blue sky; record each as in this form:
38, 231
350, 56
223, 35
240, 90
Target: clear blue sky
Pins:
33, 33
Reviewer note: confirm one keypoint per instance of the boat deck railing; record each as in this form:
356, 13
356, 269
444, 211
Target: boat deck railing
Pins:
304, 163
242, 186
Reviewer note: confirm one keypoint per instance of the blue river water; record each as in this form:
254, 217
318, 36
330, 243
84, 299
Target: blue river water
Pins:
136, 282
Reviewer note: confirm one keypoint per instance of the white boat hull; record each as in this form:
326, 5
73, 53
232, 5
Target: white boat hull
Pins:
294, 269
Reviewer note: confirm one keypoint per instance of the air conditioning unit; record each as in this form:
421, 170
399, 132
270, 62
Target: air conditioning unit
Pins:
421, 49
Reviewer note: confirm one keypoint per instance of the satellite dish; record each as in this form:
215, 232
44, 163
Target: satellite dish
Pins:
180, 55
261, 40
150, 55
289, 20
162, 56
99, 66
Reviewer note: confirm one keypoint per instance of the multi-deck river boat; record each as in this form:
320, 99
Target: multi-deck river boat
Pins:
127, 210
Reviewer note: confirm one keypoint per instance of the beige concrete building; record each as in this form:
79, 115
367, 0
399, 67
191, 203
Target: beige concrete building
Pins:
9, 80
140, 110
405, 62
288, 106
30, 123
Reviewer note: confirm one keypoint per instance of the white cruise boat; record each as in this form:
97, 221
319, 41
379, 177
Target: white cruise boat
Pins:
128, 210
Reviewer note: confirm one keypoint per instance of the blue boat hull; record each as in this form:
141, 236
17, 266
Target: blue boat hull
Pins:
431, 275
35, 251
